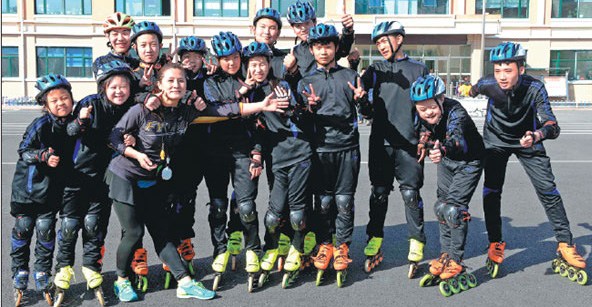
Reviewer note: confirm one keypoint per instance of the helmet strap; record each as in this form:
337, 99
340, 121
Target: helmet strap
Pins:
394, 55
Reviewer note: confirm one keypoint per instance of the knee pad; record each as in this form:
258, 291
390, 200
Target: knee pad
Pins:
45, 229
218, 207
453, 215
411, 198
439, 211
379, 195
325, 203
298, 220
92, 225
247, 211
23, 227
271, 221
345, 203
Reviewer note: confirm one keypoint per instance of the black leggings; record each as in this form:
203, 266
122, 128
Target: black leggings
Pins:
149, 210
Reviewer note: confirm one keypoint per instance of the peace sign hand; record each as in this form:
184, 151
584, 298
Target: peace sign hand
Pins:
147, 77
359, 91
312, 97
210, 67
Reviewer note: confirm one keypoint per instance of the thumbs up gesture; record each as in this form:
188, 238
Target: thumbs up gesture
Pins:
290, 62
436, 153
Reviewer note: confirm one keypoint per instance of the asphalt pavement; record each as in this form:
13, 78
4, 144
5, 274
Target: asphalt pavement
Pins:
525, 279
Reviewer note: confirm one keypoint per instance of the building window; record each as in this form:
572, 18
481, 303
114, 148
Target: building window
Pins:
576, 63
221, 8
63, 7
571, 9
70, 62
506, 8
402, 7
8, 6
282, 6
144, 7
10, 67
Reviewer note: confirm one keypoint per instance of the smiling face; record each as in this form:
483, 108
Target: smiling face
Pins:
302, 29
173, 84
192, 61
259, 68
324, 52
429, 111
384, 44
59, 102
148, 48
230, 64
120, 40
266, 30
507, 74
117, 89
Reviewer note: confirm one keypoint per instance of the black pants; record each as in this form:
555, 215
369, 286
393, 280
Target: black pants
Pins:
337, 187
86, 206
288, 204
385, 163
26, 221
457, 181
537, 165
148, 210
220, 168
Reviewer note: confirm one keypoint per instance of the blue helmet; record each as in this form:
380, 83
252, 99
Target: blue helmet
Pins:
425, 88
144, 27
225, 44
507, 51
191, 44
270, 13
301, 12
323, 32
257, 49
49, 82
115, 67
387, 28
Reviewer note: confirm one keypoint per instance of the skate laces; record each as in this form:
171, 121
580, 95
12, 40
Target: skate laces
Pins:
342, 256
140, 262
323, 254
498, 249
569, 252
66, 274
185, 249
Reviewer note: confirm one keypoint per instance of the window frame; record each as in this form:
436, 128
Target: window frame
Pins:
203, 9
6, 6
11, 57
420, 8
315, 4
82, 6
479, 9
87, 69
560, 10
555, 64
165, 8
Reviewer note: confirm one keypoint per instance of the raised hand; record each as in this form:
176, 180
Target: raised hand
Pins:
312, 97
85, 112
147, 76
436, 153
210, 67
152, 102
290, 61
52, 159
129, 140
282, 95
359, 91
198, 102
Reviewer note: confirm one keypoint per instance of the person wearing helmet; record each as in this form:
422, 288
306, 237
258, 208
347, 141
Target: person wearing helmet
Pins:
289, 160
192, 51
448, 136
266, 28
117, 28
519, 118
38, 184
329, 91
86, 205
393, 142
302, 17
147, 42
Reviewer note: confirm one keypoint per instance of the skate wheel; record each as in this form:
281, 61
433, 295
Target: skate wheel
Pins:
18, 297
472, 280
263, 279
445, 289
463, 283
233, 263
412, 270
492, 268
555, 265
341, 275
100, 296
563, 270
250, 283
582, 277
144, 284
167, 280
368, 265
280, 264
319, 277
285, 280
426, 280
59, 297
572, 274
217, 279
454, 286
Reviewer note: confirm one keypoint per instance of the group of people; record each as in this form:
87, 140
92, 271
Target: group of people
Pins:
161, 123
